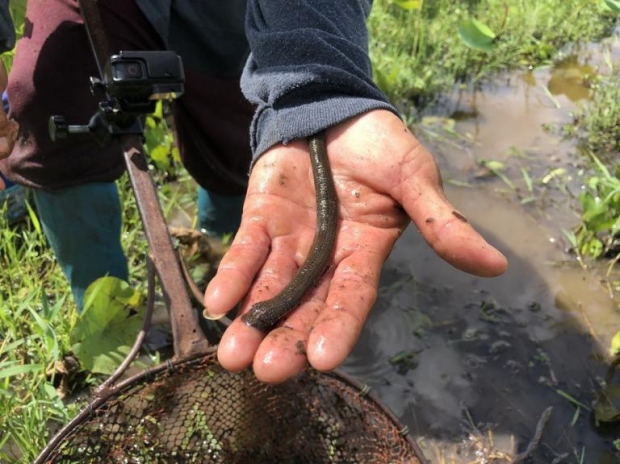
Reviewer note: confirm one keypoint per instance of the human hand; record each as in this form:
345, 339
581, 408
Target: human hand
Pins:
384, 179
8, 127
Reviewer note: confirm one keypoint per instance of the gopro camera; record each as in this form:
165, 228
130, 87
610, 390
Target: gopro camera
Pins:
144, 75
132, 83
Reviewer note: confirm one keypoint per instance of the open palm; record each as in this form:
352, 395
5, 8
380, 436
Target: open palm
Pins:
384, 179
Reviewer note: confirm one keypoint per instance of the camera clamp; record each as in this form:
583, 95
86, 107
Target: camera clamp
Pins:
131, 84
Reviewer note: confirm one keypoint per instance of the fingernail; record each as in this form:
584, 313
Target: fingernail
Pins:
211, 317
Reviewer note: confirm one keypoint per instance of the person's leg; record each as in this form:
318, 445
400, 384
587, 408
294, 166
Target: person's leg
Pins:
212, 118
219, 215
83, 227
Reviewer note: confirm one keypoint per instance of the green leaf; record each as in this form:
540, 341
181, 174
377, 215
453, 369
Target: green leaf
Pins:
570, 235
159, 155
34, 219
576, 403
108, 326
386, 82
615, 345
594, 212
527, 179
552, 175
594, 247
477, 35
20, 369
159, 110
18, 11
409, 4
612, 5
150, 122
495, 166
176, 154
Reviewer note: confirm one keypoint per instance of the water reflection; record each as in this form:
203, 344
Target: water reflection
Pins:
571, 78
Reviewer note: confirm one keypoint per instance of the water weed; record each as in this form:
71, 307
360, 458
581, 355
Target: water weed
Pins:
596, 124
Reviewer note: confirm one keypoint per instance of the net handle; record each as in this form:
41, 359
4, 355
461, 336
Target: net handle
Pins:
188, 338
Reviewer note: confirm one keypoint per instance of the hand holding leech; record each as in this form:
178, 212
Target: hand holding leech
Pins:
384, 178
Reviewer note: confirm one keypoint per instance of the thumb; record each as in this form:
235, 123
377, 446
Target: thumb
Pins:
448, 232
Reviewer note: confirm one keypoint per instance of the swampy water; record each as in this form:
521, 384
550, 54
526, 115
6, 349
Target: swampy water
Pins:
470, 364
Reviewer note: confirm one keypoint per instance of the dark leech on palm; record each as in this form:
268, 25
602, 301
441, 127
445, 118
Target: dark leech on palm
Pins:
264, 315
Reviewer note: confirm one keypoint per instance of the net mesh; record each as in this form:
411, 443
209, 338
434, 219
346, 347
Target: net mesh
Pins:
198, 412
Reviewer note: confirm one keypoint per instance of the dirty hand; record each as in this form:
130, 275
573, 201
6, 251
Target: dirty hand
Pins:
378, 166
8, 128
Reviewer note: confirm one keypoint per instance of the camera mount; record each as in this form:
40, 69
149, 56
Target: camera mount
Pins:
129, 88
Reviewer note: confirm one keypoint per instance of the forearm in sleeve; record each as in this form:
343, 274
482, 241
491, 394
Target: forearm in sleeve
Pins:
309, 68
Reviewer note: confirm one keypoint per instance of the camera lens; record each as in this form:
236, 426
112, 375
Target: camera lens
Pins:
128, 70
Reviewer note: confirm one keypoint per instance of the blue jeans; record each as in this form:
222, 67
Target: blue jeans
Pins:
83, 227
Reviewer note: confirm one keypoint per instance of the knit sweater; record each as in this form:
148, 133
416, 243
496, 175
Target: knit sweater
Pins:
305, 62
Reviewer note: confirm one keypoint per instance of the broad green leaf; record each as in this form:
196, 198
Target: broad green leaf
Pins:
613, 5
594, 211
159, 155
409, 4
107, 328
477, 35
595, 214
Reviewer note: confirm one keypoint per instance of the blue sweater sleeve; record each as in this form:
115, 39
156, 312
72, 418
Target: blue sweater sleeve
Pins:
7, 31
309, 67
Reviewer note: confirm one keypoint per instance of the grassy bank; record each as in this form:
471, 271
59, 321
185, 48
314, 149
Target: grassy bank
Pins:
418, 53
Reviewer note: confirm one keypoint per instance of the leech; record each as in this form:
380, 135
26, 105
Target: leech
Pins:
264, 315
459, 215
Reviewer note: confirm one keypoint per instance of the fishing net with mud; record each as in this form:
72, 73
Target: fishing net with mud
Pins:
191, 410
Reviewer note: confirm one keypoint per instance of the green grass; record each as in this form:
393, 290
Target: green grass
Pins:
418, 54
35, 320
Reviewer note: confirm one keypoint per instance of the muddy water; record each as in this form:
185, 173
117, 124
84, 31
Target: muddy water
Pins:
470, 364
